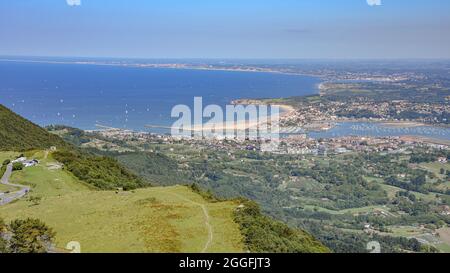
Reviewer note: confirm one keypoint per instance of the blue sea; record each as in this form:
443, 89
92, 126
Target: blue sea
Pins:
377, 129
82, 95
85, 95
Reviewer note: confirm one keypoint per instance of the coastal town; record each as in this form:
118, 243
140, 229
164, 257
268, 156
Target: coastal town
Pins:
298, 144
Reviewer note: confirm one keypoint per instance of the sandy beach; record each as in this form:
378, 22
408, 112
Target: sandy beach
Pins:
285, 110
403, 124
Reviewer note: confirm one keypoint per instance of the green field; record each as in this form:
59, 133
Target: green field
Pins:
6, 188
424, 234
368, 209
154, 220
391, 191
7, 155
46, 182
435, 167
444, 248
405, 231
171, 219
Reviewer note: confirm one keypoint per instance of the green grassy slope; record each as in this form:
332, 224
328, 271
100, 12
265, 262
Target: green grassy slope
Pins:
168, 219
147, 220
69, 198
158, 219
48, 178
18, 134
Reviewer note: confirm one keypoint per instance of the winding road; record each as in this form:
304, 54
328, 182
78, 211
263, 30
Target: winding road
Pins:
7, 198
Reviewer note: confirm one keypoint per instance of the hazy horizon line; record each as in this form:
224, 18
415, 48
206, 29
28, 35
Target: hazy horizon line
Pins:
229, 58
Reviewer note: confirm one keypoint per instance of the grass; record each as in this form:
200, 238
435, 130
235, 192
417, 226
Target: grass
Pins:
7, 155
46, 182
6, 188
368, 209
320, 209
444, 248
415, 232
431, 197
435, 167
147, 220
405, 231
445, 237
306, 184
169, 219
392, 190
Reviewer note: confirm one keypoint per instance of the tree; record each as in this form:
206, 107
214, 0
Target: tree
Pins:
30, 236
3, 242
17, 166
2, 225
419, 180
36, 200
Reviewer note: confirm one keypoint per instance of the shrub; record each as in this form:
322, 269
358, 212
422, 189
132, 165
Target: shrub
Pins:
102, 172
30, 236
17, 166
263, 234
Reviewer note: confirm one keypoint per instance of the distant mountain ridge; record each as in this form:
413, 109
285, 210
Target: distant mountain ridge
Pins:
20, 134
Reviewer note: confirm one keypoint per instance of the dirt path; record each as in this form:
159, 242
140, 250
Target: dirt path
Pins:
208, 225
206, 215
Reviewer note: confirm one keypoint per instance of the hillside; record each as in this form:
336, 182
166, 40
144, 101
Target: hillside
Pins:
19, 134
314, 193
77, 194
158, 219
148, 220
101, 172
170, 219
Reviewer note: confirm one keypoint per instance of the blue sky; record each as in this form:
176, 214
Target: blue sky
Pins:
226, 28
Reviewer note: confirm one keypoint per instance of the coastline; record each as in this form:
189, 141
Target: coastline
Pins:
244, 124
286, 109
394, 123
175, 66
311, 88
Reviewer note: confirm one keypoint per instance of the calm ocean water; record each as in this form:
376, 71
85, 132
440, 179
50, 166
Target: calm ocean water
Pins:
381, 130
123, 97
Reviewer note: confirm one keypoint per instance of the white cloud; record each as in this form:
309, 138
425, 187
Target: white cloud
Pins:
73, 2
374, 2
